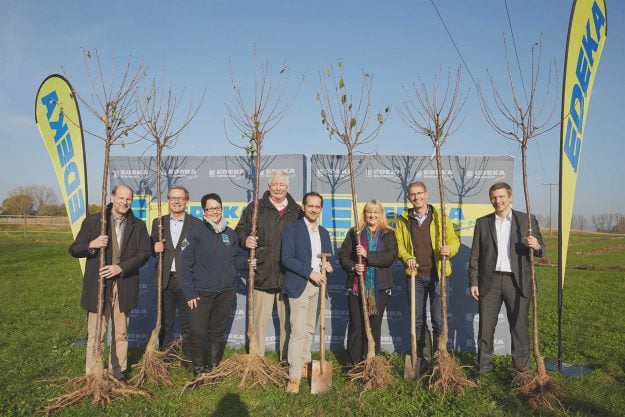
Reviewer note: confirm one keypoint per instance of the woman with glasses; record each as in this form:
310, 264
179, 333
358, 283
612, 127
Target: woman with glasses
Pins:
209, 266
377, 249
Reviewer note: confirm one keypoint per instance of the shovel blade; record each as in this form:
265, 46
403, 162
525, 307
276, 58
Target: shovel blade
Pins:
411, 367
321, 377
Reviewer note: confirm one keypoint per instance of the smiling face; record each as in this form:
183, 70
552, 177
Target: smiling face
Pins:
418, 197
212, 210
122, 200
177, 200
373, 216
312, 208
501, 200
278, 188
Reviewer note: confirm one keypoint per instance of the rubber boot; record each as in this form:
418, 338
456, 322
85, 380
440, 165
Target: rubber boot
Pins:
216, 354
198, 358
209, 356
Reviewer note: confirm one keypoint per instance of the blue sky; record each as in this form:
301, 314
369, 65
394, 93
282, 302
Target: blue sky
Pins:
191, 42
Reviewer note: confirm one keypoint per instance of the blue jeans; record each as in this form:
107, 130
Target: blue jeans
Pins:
427, 286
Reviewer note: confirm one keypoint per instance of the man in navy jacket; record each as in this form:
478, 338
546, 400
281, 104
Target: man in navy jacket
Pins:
301, 244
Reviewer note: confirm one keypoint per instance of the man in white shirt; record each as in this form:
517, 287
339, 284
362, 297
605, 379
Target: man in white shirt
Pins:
499, 272
176, 225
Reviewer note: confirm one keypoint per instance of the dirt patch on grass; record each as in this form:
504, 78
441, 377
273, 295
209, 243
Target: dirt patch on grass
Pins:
600, 251
584, 267
590, 242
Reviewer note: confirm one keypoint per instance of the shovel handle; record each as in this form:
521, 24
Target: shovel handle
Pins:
322, 309
413, 321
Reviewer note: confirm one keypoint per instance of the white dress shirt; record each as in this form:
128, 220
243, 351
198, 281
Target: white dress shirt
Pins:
503, 226
315, 244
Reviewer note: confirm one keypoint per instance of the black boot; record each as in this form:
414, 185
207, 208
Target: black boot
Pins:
210, 352
198, 357
216, 354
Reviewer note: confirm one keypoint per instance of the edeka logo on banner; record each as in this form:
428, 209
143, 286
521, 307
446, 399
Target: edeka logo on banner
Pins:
336, 215
58, 119
589, 41
141, 207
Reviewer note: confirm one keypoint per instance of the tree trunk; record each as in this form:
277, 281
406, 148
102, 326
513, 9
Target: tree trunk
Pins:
159, 262
540, 361
363, 298
98, 345
442, 339
251, 333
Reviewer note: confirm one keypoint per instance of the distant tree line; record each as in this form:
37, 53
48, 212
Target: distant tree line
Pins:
36, 200
604, 222
609, 222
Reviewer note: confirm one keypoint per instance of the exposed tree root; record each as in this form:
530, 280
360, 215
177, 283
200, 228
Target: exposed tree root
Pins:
373, 372
103, 389
447, 375
540, 389
246, 367
154, 366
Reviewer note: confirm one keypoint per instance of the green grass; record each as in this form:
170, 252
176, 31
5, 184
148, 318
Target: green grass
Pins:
40, 318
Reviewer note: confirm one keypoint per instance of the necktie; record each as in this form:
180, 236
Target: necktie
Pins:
119, 230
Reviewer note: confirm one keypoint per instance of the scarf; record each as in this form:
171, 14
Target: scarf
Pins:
218, 227
370, 243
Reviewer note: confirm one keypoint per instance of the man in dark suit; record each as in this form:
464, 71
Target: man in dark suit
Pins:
301, 244
499, 272
176, 226
127, 247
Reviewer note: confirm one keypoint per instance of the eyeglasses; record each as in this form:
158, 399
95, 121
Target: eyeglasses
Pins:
177, 198
212, 209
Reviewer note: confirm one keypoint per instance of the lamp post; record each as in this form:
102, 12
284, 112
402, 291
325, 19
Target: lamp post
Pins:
550, 184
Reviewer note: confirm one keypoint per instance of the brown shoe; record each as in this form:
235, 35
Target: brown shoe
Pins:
293, 386
122, 380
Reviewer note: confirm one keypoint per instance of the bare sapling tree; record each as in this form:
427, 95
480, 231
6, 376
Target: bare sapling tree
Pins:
349, 120
521, 121
434, 113
112, 102
158, 112
254, 120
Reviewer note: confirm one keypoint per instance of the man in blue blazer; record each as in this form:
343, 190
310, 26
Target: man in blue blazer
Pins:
499, 272
301, 244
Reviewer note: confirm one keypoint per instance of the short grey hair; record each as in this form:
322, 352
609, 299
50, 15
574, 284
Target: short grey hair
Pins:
278, 174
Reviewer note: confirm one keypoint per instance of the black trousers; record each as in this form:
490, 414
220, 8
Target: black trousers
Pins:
173, 299
503, 290
356, 336
208, 320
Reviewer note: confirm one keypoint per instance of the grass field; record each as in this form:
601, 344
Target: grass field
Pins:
40, 319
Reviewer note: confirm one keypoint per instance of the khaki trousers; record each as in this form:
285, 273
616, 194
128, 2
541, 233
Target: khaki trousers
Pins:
263, 307
303, 318
119, 339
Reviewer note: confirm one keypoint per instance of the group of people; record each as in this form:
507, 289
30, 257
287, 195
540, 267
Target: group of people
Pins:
200, 259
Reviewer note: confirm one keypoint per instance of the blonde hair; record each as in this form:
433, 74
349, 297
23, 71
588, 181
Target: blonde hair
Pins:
382, 222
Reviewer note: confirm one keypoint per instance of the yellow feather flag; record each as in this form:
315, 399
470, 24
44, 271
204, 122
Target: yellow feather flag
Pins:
58, 120
587, 34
